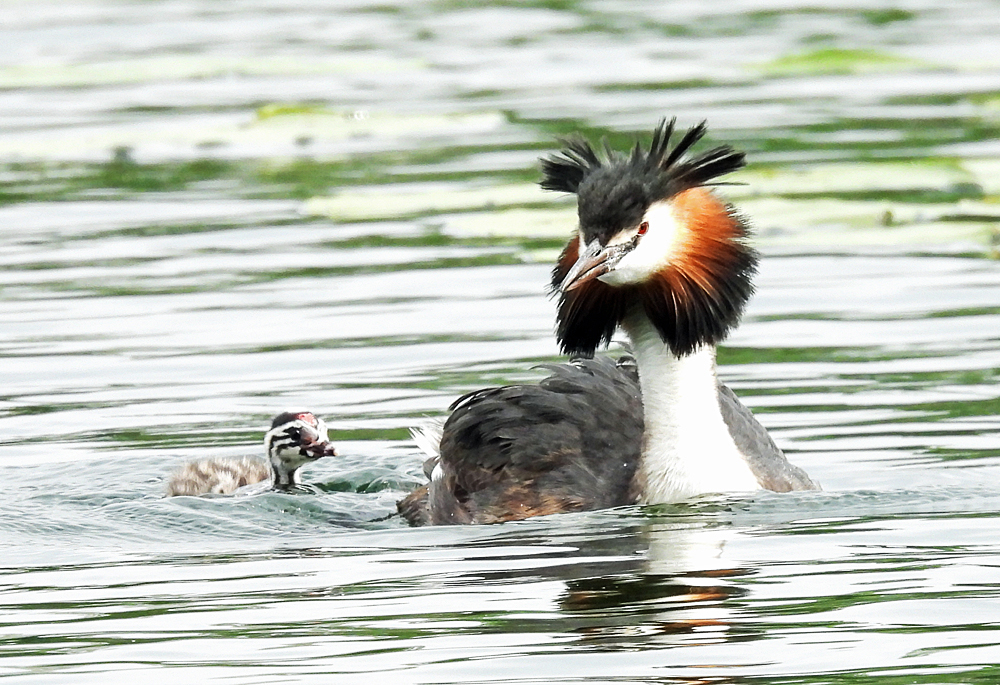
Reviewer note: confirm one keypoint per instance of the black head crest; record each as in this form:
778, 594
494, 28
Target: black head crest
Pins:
660, 168
700, 295
565, 172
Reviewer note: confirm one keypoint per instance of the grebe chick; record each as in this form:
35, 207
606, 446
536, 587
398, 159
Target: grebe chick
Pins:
294, 440
657, 254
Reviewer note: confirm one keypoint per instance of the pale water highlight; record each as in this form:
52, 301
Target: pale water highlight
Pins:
214, 213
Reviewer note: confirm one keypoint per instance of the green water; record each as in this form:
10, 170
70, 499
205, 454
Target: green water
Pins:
213, 212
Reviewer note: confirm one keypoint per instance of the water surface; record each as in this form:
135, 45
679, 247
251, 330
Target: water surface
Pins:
212, 213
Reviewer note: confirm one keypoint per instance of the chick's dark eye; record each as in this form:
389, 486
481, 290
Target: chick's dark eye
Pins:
643, 227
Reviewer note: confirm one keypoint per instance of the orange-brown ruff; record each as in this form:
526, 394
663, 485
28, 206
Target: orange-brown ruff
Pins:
699, 295
660, 256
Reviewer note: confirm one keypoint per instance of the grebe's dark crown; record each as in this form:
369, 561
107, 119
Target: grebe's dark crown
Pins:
614, 192
295, 438
701, 280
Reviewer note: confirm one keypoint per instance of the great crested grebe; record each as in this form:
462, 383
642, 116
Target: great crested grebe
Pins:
294, 440
659, 255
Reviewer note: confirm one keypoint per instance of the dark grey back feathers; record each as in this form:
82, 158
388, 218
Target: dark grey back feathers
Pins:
569, 443
767, 462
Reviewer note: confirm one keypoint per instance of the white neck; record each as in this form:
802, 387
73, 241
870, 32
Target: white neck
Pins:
283, 478
687, 448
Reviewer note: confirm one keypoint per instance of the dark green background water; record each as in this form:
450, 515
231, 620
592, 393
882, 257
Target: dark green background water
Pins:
210, 212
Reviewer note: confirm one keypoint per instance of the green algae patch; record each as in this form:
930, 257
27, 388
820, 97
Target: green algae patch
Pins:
157, 68
282, 109
283, 130
859, 179
540, 234
894, 203
399, 201
832, 61
986, 174
303, 123
832, 224
553, 224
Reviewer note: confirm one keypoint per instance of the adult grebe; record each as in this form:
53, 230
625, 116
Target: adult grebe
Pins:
658, 254
294, 440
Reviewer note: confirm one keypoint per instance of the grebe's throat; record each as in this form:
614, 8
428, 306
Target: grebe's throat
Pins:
687, 447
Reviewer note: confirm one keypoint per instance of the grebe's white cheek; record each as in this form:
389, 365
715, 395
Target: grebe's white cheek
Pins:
624, 273
654, 251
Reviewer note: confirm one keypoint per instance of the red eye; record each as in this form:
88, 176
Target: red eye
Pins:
643, 227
